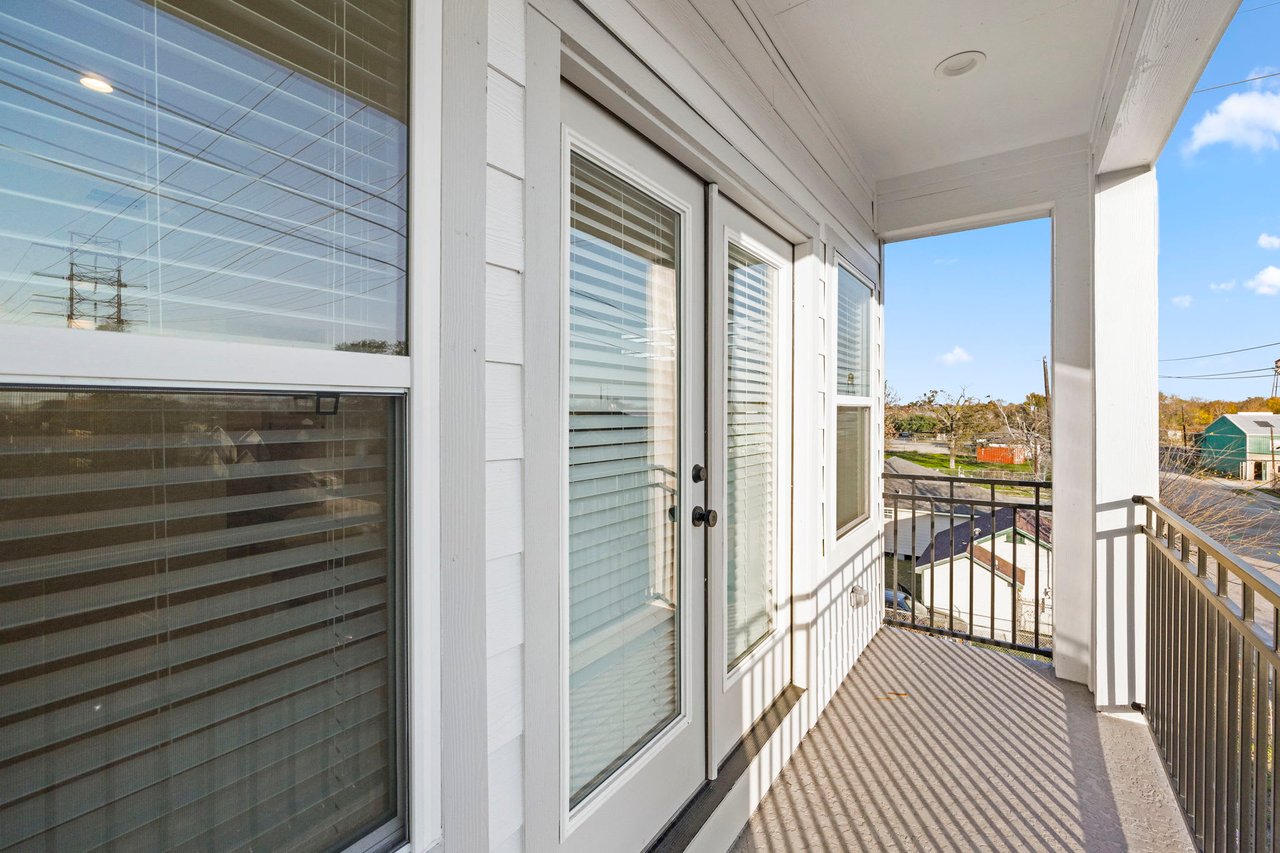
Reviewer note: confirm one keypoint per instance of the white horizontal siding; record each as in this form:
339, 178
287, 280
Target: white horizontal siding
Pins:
504, 233
504, 316
504, 408
504, 143
504, 422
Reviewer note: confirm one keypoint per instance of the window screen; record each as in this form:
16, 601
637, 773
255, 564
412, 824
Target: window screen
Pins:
197, 621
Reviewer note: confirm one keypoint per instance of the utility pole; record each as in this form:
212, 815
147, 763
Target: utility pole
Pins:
1275, 472
1275, 380
97, 262
1044, 363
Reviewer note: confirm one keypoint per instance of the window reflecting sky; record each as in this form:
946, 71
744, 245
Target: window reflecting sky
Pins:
244, 178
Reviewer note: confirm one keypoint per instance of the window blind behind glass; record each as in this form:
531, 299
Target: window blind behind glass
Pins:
853, 435
853, 335
245, 177
623, 486
195, 621
750, 476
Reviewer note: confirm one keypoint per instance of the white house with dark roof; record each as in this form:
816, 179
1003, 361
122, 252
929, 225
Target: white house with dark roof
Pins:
993, 573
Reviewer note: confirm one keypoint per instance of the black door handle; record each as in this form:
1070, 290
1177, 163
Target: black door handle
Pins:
709, 516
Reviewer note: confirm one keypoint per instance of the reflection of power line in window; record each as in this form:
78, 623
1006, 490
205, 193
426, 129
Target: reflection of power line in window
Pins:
165, 109
169, 196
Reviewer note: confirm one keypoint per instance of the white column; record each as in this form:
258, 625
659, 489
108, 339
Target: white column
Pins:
1125, 315
1073, 430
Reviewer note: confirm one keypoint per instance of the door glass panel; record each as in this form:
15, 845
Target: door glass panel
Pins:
624, 425
750, 473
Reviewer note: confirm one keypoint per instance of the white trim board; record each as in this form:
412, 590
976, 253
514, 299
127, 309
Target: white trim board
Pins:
464, 750
1161, 50
35, 355
754, 156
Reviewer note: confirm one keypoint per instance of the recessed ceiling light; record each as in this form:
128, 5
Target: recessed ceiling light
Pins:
960, 64
97, 84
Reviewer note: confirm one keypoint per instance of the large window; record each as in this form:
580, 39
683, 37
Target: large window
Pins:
197, 621
853, 399
202, 620
211, 169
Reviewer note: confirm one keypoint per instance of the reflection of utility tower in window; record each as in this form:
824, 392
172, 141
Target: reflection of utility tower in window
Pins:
95, 263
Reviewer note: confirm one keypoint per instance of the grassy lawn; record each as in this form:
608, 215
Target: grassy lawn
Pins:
966, 464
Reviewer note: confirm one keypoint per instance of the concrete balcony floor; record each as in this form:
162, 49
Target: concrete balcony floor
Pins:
931, 745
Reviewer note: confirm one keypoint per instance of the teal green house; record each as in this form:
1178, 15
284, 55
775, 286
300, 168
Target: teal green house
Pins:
1244, 445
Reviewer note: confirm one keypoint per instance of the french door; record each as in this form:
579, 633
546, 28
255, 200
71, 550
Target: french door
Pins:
749, 448
633, 658
676, 618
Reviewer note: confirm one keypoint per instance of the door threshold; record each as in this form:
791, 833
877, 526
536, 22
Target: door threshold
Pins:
685, 827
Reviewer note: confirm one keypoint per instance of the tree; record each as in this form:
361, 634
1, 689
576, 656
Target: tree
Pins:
892, 414
1028, 425
1222, 513
956, 414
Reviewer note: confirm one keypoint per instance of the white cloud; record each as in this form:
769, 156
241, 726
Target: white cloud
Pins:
1182, 301
1245, 120
956, 356
946, 262
1266, 282
1268, 241
1222, 285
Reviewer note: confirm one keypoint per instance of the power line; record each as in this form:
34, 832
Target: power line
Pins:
1263, 6
1224, 352
1237, 82
1252, 370
1258, 375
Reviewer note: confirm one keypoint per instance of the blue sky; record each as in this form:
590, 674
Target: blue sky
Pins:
972, 309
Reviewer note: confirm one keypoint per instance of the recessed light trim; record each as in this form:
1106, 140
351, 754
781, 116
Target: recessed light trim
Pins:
959, 64
96, 84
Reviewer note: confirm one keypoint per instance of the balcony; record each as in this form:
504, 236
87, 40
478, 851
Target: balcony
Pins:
953, 732
932, 745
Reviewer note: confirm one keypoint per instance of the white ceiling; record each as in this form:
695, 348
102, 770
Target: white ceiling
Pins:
869, 64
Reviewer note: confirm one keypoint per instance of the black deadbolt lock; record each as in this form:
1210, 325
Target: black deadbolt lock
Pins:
699, 473
709, 516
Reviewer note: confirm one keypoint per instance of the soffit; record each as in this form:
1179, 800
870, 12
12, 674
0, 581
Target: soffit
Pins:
870, 65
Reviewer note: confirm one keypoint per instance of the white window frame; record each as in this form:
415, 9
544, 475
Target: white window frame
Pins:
33, 356
851, 401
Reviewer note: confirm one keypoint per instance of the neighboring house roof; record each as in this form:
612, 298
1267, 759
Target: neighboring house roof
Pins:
900, 538
1002, 567
956, 540
1254, 423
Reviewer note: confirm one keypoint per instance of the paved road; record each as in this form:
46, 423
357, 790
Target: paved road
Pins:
1262, 526
916, 446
